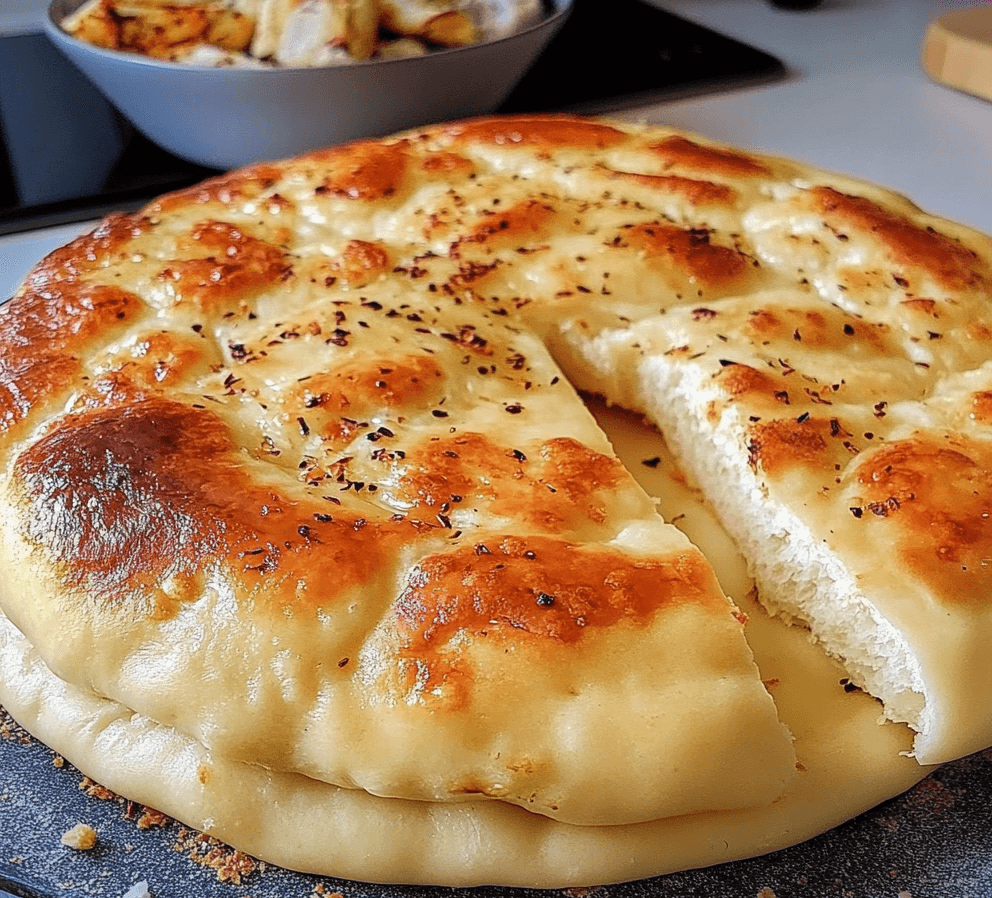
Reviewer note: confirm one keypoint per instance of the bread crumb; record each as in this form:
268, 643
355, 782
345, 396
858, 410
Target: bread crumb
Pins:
766, 893
11, 730
95, 790
82, 837
228, 863
152, 818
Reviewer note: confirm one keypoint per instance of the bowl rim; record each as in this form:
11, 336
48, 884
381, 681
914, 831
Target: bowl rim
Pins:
53, 26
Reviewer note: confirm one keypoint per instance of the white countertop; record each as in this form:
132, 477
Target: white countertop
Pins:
855, 101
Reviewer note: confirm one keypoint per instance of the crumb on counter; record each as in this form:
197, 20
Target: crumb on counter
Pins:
95, 790
150, 819
82, 837
323, 891
230, 865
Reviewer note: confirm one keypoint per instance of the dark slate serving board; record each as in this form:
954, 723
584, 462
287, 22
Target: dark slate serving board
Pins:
935, 841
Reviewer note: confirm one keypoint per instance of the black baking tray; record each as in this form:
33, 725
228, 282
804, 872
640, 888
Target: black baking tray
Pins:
934, 841
610, 53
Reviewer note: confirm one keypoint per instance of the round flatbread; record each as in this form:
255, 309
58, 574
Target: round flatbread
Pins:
298, 455
303, 824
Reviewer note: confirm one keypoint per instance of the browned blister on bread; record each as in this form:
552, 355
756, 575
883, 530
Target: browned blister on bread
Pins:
309, 496
297, 455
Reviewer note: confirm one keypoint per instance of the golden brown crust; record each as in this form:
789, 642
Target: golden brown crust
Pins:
227, 189
333, 390
44, 331
935, 493
219, 264
680, 151
691, 251
98, 249
697, 192
520, 582
909, 245
126, 498
362, 171
306, 427
538, 132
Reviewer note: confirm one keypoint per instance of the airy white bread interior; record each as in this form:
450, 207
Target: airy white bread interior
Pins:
301, 823
190, 383
260, 489
841, 431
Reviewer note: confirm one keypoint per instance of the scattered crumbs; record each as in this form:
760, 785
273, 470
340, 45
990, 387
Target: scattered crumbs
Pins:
149, 818
889, 824
152, 818
905, 894
94, 790
766, 893
82, 837
323, 890
10, 730
932, 796
582, 891
58, 761
228, 863
17, 859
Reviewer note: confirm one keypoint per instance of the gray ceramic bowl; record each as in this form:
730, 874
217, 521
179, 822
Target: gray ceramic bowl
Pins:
228, 117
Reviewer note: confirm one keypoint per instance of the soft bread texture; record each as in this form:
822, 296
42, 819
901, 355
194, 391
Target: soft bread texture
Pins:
301, 823
289, 467
845, 445
262, 490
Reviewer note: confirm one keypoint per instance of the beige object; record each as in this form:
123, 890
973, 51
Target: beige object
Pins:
81, 837
298, 32
288, 452
957, 50
315, 521
438, 21
303, 824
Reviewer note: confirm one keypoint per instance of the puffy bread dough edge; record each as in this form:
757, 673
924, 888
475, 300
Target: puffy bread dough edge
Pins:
299, 823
